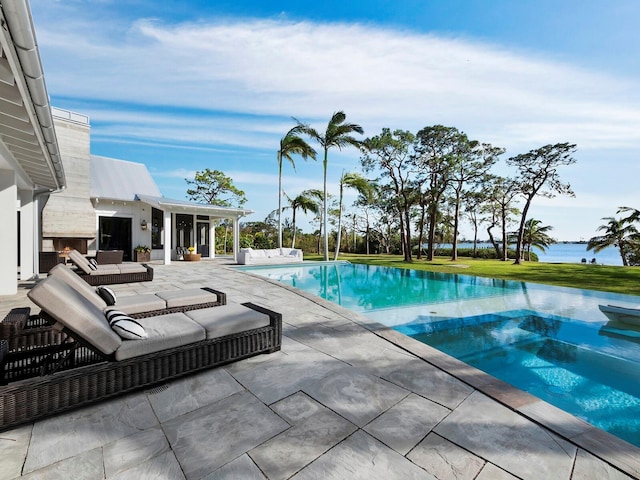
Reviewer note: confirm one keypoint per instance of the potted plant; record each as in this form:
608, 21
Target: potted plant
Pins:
143, 253
192, 256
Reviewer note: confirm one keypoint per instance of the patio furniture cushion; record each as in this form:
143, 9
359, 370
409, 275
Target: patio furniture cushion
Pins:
75, 312
105, 269
65, 274
125, 326
164, 332
80, 261
147, 302
131, 268
108, 295
228, 319
190, 296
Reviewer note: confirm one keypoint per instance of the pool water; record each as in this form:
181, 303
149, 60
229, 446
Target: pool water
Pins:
552, 342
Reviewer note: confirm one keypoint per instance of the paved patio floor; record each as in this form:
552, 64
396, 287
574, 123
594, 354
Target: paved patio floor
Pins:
343, 399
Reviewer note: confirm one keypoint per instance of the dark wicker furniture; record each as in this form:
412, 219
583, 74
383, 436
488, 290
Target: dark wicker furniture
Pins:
106, 257
48, 260
73, 373
114, 278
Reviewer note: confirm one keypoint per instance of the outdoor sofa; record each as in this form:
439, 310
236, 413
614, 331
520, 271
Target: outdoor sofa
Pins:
271, 256
94, 363
108, 274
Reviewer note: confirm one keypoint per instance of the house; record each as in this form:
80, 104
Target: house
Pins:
54, 195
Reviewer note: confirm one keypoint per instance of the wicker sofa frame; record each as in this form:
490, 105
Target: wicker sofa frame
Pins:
23, 331
114, 278
74, 373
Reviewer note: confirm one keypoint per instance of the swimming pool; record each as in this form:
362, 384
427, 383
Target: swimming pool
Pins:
552, 342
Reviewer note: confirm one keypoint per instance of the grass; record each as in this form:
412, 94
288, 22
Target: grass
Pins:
591, 277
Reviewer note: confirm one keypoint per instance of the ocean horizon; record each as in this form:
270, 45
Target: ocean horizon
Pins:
565, 252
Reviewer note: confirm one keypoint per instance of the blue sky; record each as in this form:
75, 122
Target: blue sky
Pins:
187, 85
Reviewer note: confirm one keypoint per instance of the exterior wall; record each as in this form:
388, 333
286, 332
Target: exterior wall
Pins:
70, 213
136, 211
8, 232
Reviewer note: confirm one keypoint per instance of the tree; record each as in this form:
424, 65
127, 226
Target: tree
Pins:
214, 188
357, 182
437, 150
290, 144
619, 233
501, 194
307, 201
535, 235
337, 134
471, 165
390, 154
537, 169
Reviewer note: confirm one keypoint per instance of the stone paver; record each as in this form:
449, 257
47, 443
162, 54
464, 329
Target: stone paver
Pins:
314, 431
338, 401
504, 438
406, 423
362, 457
208, 438
445, 460
356, 395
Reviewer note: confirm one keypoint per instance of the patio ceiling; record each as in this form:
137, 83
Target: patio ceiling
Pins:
26, 126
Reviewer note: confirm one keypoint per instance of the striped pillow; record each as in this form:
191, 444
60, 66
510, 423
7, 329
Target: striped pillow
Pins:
125, 326
108, 295
93, 264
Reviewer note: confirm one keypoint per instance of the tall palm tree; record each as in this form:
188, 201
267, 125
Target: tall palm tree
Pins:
307, 201
619, 233
337, 134
362, 185
290, 144
535, 235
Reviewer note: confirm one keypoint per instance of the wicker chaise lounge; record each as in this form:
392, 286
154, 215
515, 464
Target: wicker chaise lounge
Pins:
110, 274
177, 344
26, 332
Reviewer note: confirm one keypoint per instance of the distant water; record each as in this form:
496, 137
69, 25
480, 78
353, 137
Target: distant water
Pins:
568, 253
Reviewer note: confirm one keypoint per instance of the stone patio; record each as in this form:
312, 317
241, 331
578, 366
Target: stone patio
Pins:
343, 399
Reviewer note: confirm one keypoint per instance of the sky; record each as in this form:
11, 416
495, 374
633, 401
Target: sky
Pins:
186, 85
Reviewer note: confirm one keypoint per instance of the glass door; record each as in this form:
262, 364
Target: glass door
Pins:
202, 238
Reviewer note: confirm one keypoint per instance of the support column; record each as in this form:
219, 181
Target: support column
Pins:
236, 238
8, 233
29, 238
212, 237
168, 236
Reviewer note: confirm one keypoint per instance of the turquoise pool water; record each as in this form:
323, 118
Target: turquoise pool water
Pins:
552, 342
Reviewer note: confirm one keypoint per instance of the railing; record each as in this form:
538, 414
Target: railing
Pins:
69, 115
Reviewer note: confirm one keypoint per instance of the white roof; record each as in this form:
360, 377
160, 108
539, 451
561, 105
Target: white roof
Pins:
120, 179
185, 206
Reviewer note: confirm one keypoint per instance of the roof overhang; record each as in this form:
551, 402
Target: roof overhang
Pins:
179, 206
26, 124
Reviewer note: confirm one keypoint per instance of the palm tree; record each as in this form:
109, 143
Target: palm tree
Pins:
307, 201
290, 144
535, 235
363, 186
618, 233
337, 135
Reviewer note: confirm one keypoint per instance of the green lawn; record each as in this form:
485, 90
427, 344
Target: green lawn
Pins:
591, 277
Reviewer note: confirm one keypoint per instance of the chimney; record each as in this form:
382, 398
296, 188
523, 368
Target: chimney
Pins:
69, 214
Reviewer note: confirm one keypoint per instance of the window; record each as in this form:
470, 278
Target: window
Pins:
157, 228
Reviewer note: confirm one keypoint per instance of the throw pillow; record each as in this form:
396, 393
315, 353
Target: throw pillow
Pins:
125, 326
108, 295
93, 264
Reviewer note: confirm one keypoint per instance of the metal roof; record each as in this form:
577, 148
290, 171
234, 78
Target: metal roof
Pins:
26, 125
185, 206
120, 179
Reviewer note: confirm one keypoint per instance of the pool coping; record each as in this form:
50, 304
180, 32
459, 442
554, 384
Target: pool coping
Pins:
618, 453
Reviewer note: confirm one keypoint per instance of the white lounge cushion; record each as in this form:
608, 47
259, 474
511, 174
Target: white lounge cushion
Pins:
228, 319
147, 302
75, 312
80, 261
131, 268
65, 274
163, 332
